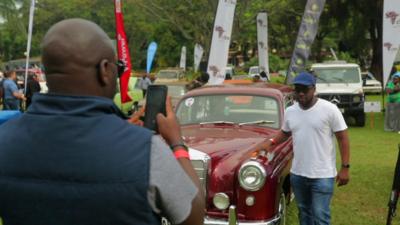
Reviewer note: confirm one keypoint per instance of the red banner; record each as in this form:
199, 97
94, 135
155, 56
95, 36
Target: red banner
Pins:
123, 51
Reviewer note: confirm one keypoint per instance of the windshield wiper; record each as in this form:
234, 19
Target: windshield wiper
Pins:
218, 122
340, 79
258, 122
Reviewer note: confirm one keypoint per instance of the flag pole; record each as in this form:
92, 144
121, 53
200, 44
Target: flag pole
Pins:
28, 47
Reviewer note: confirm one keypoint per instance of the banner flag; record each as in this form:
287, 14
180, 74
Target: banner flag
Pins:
221, 39
305, 38
123, 51
390, 39
262, 40
28, 45
182, 63
151, 52
198, 54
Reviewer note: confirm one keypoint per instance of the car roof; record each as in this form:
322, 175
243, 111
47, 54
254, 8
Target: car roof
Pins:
263, 89
334, 65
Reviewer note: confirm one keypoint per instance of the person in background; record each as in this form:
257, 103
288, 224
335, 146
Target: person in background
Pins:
144, 83
93, 166
393, 88
392, 112
256, 78
12, 96
198, 82
32, 87
263, 76
313, 124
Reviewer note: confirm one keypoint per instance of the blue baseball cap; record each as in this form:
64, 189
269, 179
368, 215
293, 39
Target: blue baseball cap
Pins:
304, 78
397, 74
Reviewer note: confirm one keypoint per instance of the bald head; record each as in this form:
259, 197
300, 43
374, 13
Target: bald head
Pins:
73, 53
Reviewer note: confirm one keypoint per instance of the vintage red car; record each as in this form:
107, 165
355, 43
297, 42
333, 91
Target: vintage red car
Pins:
222, 125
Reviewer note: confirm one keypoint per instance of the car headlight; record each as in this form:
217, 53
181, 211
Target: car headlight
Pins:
357, 98
252, 176
221, 201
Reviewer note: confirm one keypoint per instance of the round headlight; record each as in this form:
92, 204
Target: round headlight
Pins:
356, 98
221, 201
252, 176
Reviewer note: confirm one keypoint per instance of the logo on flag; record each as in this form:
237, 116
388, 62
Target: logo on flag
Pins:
389, 47
392, 15
220, 31
214, 70
230, 1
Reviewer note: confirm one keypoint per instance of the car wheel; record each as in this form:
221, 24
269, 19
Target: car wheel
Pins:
282, 209
360, 119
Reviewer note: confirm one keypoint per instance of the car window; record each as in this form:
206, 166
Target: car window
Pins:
254, 70
232, 108
337, 75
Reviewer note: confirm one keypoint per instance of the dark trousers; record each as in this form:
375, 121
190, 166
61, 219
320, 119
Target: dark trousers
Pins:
11, 104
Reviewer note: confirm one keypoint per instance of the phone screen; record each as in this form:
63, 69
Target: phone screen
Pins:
155, 103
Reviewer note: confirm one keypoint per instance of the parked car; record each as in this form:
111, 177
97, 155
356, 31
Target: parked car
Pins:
175, 89
254, 70
341, 83
135, 93
170, 75
33, 71
370, 83
222, 125
229, 72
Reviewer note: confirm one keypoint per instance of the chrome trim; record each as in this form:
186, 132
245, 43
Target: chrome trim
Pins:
196, 155
233, 220
255, 164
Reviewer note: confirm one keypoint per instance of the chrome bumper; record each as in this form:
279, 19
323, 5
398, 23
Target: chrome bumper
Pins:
232, 220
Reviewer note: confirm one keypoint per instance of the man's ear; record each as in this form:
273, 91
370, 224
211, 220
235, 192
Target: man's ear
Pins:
105, 74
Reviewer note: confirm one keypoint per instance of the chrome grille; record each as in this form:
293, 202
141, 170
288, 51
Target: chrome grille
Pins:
200, 162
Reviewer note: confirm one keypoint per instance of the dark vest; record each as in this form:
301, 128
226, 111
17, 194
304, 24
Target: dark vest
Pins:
74, 160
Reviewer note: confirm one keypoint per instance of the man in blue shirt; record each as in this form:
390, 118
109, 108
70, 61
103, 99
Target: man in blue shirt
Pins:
91, 166
12, 96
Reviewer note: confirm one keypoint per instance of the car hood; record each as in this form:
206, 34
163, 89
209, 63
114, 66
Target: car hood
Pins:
353, 88
228, 146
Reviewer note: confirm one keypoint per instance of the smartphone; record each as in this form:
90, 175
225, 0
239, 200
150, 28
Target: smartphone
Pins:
156, 97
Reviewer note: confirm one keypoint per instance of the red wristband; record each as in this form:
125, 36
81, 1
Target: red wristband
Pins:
181, 153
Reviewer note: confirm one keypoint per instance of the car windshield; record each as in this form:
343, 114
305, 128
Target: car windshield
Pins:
176, 90
167, 74
254, 70
239, 109
337, 75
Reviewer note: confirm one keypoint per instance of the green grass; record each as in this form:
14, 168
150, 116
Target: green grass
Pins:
373, 157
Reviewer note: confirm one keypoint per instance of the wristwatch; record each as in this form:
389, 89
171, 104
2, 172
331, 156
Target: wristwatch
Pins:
346, 166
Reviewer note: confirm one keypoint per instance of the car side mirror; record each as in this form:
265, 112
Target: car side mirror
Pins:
364, 79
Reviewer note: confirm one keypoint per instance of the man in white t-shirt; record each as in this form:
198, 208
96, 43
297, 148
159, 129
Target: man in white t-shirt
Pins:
313, 124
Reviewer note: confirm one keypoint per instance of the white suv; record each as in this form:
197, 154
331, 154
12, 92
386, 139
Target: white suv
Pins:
341, 84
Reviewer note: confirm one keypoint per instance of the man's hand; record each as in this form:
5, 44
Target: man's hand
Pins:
343, 177
135, 119
168, 126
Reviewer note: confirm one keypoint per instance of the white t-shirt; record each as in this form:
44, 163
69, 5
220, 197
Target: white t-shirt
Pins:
313, 138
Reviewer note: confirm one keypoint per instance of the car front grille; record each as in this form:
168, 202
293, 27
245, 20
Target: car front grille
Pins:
200, 162
342, 99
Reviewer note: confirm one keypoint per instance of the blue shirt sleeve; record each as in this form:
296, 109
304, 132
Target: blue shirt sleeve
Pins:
9, 88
